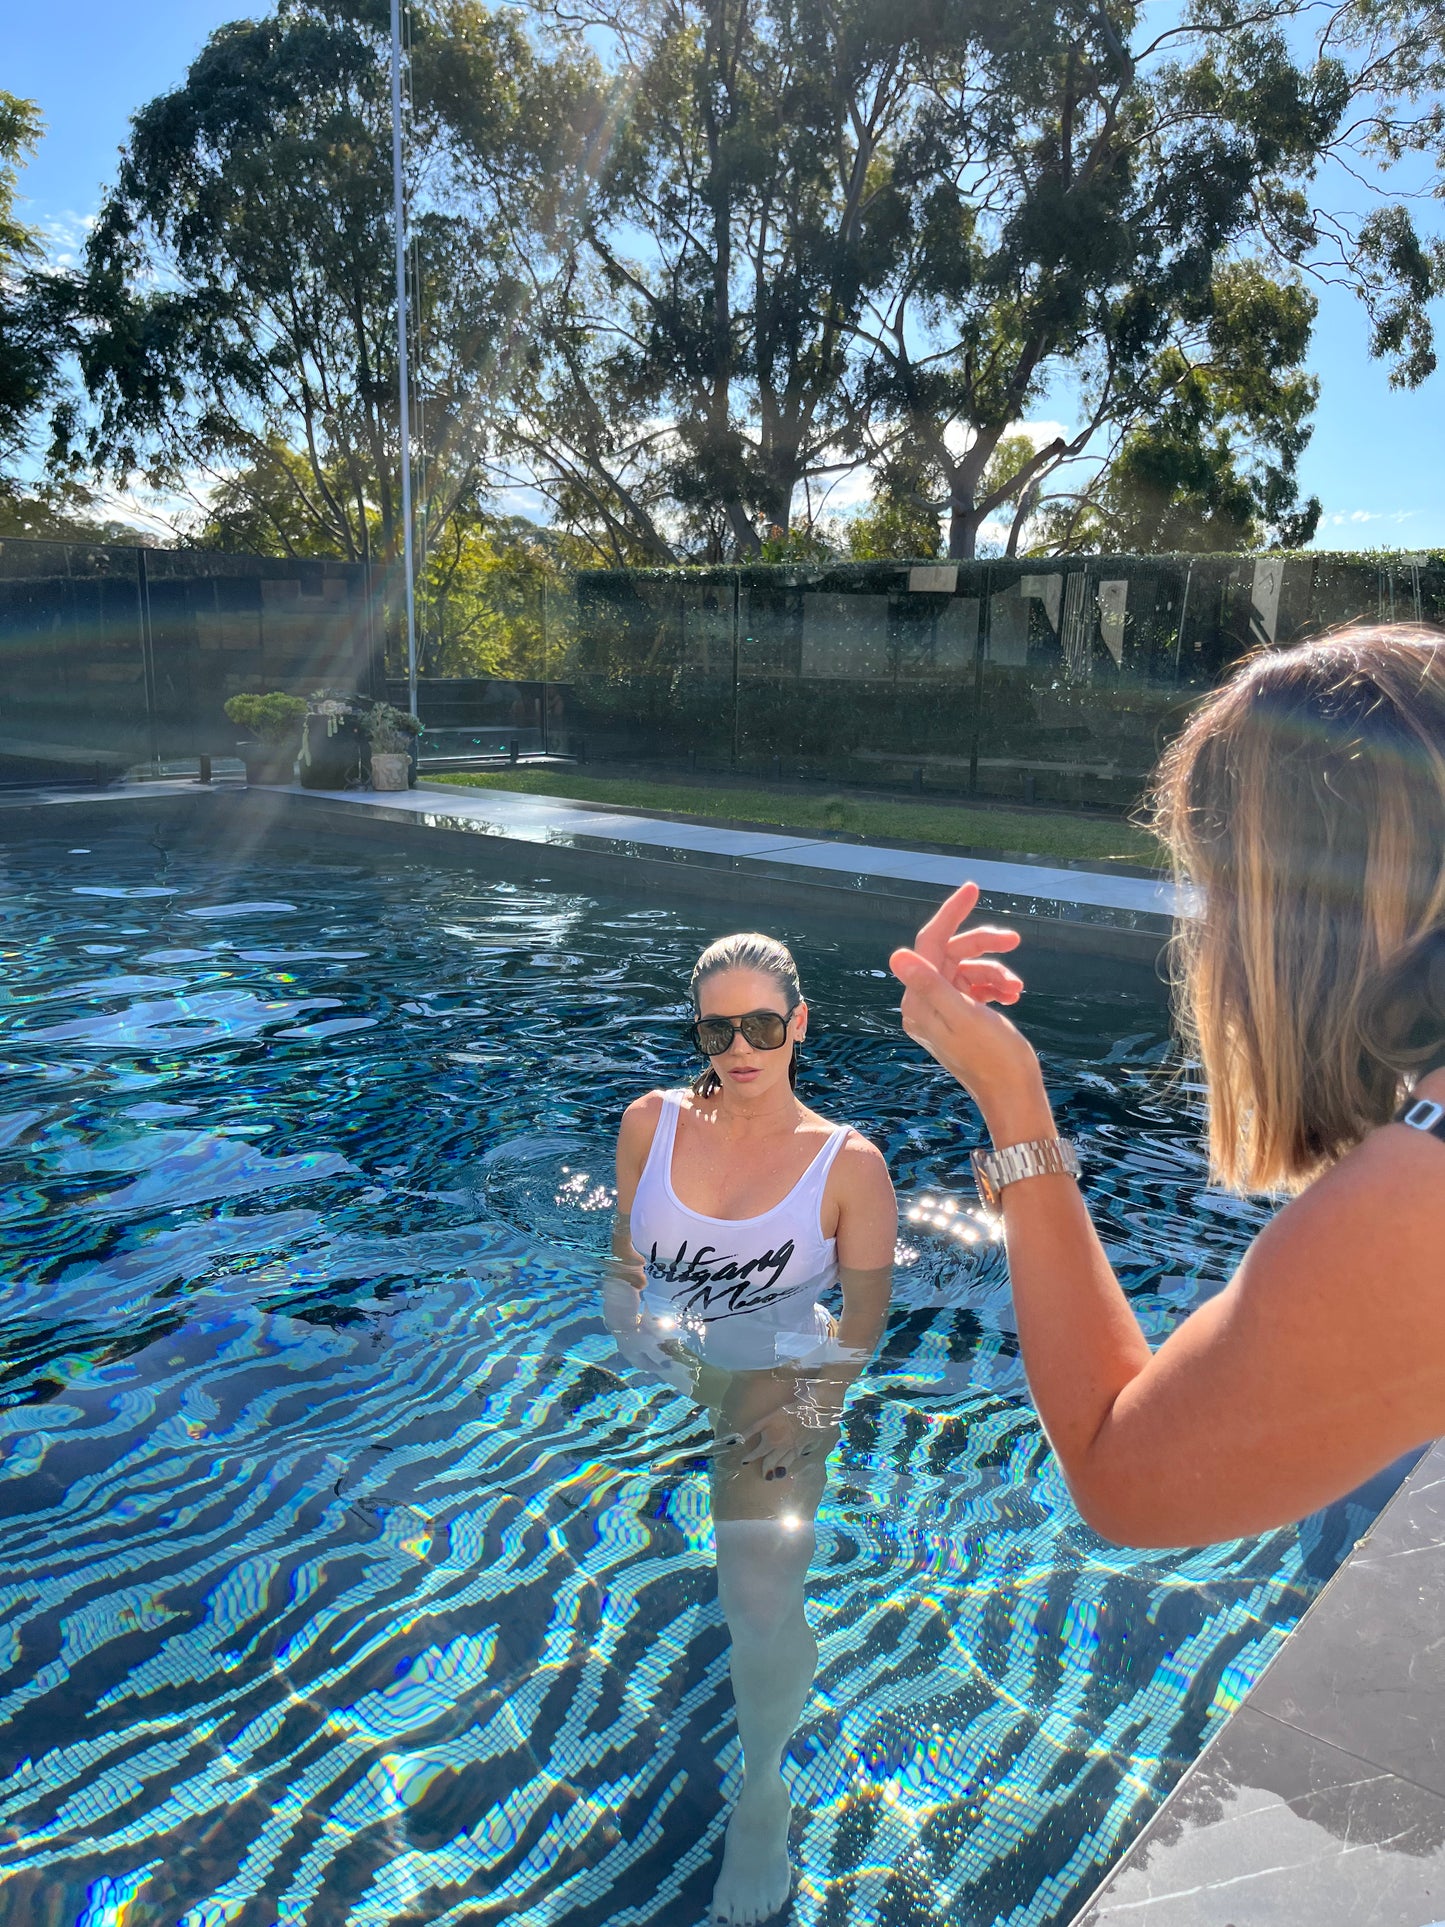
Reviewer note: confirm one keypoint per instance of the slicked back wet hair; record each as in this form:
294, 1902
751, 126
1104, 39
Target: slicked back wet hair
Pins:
1306, 801
746, 950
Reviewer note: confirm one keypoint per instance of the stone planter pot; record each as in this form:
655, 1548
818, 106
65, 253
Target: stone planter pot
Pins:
390, 769
269, 762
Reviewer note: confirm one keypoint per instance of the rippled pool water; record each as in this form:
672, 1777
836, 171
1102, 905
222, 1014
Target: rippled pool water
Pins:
346, 1572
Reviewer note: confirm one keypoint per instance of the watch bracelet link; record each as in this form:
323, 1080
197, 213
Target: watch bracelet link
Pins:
1038, 1158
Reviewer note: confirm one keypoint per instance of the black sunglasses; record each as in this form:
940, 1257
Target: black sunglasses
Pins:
763, 1029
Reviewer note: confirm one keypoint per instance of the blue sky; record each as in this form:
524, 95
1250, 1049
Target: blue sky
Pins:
1375, 460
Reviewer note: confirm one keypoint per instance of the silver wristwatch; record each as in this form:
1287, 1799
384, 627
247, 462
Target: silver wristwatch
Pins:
1041, 1157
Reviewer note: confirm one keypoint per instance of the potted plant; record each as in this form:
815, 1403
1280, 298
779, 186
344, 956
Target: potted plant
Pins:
391, 732
333, 740
274, 723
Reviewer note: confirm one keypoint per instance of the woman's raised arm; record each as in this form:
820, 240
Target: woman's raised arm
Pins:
1321, 1362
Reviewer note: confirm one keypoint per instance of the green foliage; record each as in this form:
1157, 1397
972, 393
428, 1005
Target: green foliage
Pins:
807, 543
1399, 275
495, 598
825, 235
391, 731
1103, 184
20, 128
894, 527
264, 507
272, 718
239, 287
1209, 464
59, 508
678, 267
34, 333
481, 581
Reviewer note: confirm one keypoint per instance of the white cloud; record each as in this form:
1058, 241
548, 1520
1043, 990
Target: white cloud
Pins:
64, 237
1040, 433
849, 493
842, 496
959, 438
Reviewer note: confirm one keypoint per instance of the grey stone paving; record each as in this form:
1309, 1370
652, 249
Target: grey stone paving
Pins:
1322, 1800
520, 817
543, 819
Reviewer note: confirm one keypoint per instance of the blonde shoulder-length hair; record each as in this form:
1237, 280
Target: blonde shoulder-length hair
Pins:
1305, 801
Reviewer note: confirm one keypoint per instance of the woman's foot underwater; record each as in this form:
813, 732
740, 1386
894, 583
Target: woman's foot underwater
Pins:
757, 1876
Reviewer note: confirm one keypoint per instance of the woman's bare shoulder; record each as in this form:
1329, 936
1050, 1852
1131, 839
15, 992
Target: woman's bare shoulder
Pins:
1371, 1227
640, 1117
858, 1161
634, 1143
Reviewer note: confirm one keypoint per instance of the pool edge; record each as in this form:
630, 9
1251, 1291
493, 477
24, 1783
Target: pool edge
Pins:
1267, 1814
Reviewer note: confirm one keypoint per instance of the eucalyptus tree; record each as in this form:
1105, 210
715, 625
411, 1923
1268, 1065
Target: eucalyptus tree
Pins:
1209, 461
1086, 198
730, 208
238, 291
807, 234
34, 333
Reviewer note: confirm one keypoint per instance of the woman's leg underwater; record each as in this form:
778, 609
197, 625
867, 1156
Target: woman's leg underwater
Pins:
765, 1542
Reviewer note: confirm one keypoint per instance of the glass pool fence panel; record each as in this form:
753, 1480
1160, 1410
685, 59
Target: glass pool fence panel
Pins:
1029, 680
1055, 680
117, 657
222, 625
856, 680
73, 700
1080, 679
652, 669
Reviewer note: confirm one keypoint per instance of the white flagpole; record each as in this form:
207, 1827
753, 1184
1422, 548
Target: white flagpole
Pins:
403, 373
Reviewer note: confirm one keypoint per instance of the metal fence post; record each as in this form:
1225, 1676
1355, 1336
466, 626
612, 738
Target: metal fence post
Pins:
737, 670
148, 655
1183, 617
545, 738
980, 646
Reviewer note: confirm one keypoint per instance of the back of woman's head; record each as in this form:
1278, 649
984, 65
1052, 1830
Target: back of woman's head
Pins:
1306, 800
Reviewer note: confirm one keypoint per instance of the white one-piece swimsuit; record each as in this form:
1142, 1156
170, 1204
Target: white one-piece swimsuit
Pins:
741, 1292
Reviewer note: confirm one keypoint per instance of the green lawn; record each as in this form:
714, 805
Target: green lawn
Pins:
1017, 832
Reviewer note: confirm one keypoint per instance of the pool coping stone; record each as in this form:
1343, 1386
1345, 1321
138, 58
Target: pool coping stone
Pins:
719, 819
1084, 928
1098, 913
1321, 1798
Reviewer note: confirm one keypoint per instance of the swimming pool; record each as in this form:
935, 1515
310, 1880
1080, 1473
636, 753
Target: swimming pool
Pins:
346, 1572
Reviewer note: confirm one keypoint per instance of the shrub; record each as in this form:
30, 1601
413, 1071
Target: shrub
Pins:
275, 718
391, 730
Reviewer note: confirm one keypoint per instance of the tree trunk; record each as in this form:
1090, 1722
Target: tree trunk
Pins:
745, 536
963, 522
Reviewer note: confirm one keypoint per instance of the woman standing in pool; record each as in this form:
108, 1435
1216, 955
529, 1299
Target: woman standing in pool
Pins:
1305, 801
742, 1207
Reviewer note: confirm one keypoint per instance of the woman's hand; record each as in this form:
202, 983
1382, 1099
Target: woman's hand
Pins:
950, 978
791, 1434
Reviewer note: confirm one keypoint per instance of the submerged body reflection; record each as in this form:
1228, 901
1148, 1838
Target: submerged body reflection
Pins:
739, 1208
